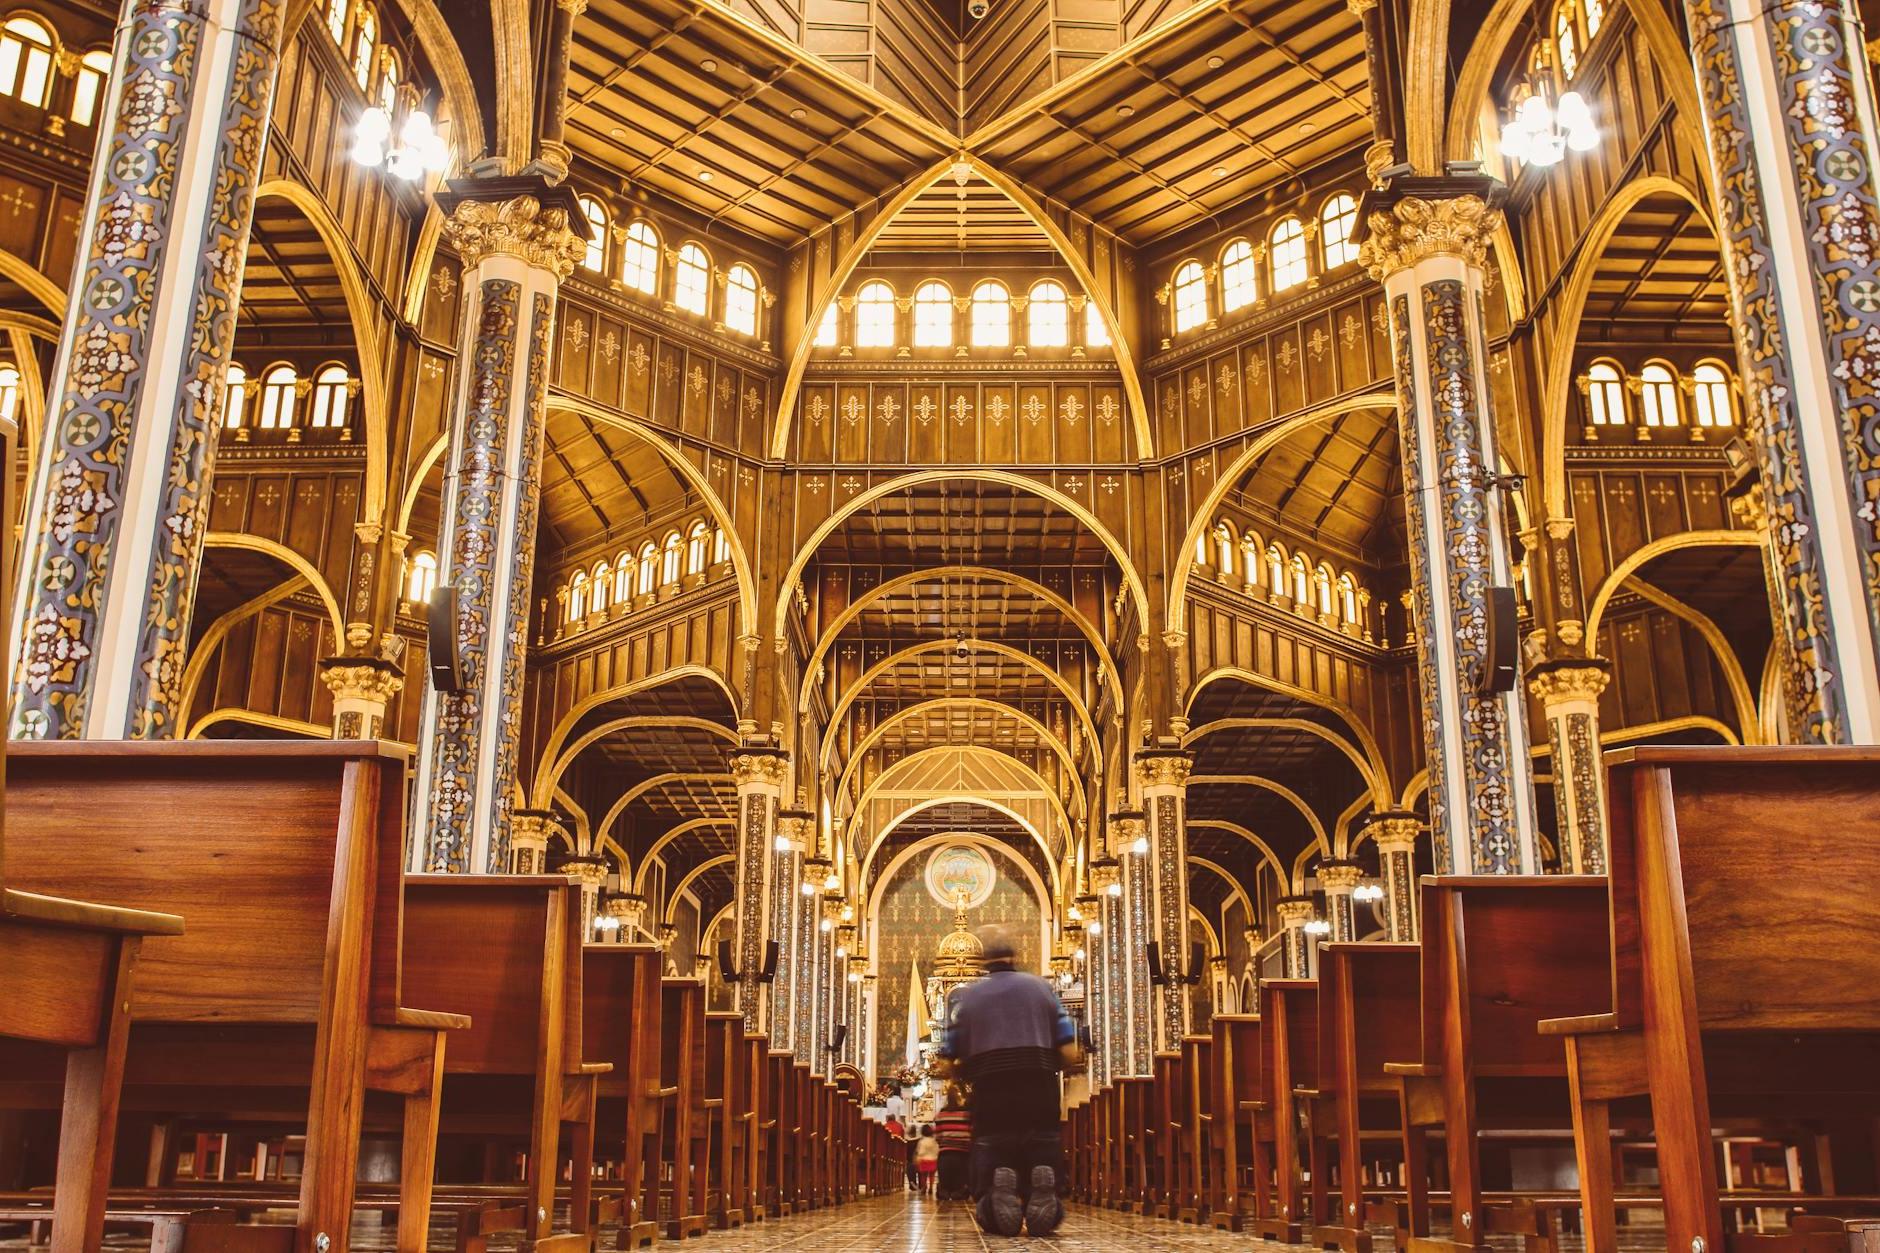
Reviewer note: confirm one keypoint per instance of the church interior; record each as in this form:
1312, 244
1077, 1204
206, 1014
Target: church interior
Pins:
563, 557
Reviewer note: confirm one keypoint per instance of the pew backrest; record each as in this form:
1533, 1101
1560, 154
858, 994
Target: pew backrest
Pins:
1759, 870
1370, 1002
620, 1009
1292, 1004
285, 857
1242, 1064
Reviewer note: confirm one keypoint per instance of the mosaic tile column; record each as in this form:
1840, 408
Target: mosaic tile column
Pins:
1164, 778
804, 1035
1108, 1017
1568, 691
1789, 115
362, 689
1295, 942
1429, 255
118, 505
516, 249
1395, 834
795, 829
871, 1002
760, 774
1338, 880
1136, 1058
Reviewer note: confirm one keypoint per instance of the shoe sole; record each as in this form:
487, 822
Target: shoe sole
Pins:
1043, 1210
1001, 1204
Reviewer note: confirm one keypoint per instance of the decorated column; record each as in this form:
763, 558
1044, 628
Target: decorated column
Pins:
830, 982
1138, 930
1428, 253
807, 890
591, 871
1110, 1017
759, 772
530, 831
362, 689
1568, 691
517, 243
1789, 113
1164, 778
1395, 834
1338, 880
1295, 912
796, 828
114, 525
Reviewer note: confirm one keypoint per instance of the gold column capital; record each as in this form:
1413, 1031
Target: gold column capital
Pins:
1295, 911
362, 679
1414, 229
521, 227
1569, 679
1395, 832
760, 767
1164, 769
1340, 876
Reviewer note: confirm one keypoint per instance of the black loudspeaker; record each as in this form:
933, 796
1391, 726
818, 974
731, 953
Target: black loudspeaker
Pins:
1197, 962
1502, 644
1153, 952
726, 970
441, 641
841, 1035
769, 970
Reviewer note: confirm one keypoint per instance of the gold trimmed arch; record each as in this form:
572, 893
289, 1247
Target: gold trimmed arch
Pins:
1557, 378
361, 310
685, 828
1234, 828
274, 722
1380, 793
18, 269
1357, 726
1278, 789
286, 556
551, 748
1238, 892
985, 703
901, 482
549, 775
1727, 660
653, 783
1636, 561
416, 483
678, 889
892, 776
1224, 482
852, 257
204, 650
694, 477
1046, 912
954, 798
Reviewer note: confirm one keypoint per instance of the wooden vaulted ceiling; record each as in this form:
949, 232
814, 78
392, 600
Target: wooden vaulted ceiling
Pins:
1661, 273
963, 522
290, 280
1339, 480
960, 211
1148, 123
598, 480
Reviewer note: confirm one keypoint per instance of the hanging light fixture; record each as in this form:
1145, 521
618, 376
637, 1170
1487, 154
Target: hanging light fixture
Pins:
1541, 129
409, 147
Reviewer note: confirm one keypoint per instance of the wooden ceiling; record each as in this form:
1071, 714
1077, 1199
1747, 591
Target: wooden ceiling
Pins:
1662, 274
290, 279
1340, 480
599, 480
962, 211
967, 522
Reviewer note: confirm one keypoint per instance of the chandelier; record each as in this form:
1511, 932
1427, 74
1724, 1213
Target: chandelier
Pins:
1543, 126
416, 149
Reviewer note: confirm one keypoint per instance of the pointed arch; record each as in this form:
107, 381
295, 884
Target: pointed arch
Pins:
955, 798
694, 478
1234, 828
852, 257
204, 649
1379, 790
678, 889
659, 845
551, 748
1366, 741
288, 557
999, 707
872, 909
1236, 892
548, 775
889, 777
1278, 789
1206, 513
1044, 491
1636, 561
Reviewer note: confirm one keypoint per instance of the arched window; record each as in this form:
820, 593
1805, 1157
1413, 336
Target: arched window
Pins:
1566, 41
577, 596
691, 279
623, 578
874, 315
1096, 330
234, 397
1322, 588
277, 398
421, 581
1595, 14
721, 547
639, 263
826, 328
1201, 549
329, 397
1605, 395
336, 21
1658, 395
1347, 598
1048, 316
1710, 392
649, 568
26, 60
1224, 545
741, 300
595, 258
1191, 297
992, 315
94, 68
1337, 221
933, 315
365, 42
9, 391
1239, 286
697, 540
1275, 570
670, 554
389, 76
603, 582
1289, 254
1301, 581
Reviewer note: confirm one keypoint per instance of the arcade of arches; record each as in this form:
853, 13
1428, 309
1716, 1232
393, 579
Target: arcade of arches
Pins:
1170, 476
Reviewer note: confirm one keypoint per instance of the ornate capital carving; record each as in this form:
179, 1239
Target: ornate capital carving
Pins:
1340, 876
518, 227
798, 826
1294, 911
1380, 155
1164, 769
760, 767
1395, 833
363, 679
1567, 680
1127, 827
1414, 229
591, 871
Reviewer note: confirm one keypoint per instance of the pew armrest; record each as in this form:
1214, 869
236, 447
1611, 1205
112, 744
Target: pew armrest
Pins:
1412, 1070
57, 911
430, 1019
1586, 1024
593, 1068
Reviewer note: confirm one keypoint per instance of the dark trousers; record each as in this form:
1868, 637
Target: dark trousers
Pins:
954, 1169
1021, 1150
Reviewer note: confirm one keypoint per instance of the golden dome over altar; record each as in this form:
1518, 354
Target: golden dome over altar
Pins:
960, 955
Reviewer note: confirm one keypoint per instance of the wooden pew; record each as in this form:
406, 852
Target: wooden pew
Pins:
685, 1141
1369, 1015
1499, 955
506, 950
1744, 981
287, 858
748, 1093
620, 1024
1135, 1096
780, 1133
1198, 1114
1236, 1140
1166, 1133
724, 1049
1289, 1018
